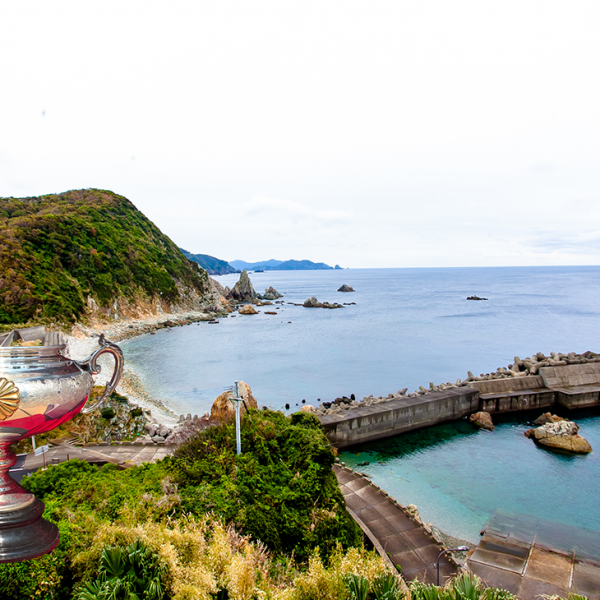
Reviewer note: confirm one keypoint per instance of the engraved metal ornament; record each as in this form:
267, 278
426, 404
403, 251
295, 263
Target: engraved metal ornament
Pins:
9, 398
40, 389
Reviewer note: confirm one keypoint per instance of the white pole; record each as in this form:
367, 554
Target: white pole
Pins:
33, 441
238, 433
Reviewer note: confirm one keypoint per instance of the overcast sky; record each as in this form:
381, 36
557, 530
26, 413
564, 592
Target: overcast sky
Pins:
369, 134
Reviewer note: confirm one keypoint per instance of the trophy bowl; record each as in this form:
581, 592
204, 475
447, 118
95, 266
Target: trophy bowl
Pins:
40, 389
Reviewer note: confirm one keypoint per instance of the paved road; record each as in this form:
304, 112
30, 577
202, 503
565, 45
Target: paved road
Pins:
123, 455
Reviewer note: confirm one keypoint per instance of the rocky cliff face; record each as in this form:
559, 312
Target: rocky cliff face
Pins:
90, 254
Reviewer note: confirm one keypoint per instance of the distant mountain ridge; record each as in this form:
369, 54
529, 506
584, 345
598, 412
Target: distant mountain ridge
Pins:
281, 265
212, 265
242, 264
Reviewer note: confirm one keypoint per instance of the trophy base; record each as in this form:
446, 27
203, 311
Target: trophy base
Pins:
24, 534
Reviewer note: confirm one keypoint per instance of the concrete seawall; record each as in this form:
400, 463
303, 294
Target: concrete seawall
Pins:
572, 386
378, 421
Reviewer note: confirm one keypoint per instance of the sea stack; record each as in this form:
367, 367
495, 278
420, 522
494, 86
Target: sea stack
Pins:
243, 291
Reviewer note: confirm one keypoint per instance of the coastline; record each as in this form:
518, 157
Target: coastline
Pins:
83, 341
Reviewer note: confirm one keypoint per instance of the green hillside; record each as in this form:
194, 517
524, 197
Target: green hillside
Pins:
57, 250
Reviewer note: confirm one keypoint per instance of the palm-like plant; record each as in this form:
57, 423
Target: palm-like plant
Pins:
385, 587
131, 573
358, 586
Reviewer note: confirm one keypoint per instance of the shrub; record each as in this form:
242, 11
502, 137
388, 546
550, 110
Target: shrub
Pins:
281, 489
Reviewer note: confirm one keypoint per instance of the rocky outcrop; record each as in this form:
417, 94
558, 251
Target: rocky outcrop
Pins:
223, 407
248, 309
560, 435
548, 418
475, 298
346, 288
271, 294
483, 420
312, 302
243, 291
217, 286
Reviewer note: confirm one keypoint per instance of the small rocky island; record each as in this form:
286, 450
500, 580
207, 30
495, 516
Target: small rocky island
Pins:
312, 302
557, 433
346, 288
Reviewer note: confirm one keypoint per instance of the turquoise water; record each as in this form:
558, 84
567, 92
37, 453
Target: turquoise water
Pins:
458, 476
408, 328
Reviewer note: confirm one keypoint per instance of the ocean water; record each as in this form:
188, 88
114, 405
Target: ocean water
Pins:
409, 327
459, 476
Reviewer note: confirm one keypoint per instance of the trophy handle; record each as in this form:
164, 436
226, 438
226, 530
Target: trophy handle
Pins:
90, 365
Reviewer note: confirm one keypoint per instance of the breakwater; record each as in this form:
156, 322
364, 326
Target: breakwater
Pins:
571, 385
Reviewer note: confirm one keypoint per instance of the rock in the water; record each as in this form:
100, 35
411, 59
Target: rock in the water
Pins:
483, 420
560, 435
475, 298
248, 309
243, 291
309, 408
346, 288
272, 294
223, 407
312, 302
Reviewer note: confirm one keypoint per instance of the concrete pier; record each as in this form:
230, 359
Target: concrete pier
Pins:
570, 386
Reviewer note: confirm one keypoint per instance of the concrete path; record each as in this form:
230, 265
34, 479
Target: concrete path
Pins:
529, 570
401, 539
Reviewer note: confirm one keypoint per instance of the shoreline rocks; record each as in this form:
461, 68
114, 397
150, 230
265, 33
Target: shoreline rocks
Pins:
248, 309
483, 420
223, 407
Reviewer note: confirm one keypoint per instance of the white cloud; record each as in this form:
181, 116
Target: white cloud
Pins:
365, 134
280, 211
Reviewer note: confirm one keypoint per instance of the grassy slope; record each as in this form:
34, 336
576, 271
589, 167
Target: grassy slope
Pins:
55, 250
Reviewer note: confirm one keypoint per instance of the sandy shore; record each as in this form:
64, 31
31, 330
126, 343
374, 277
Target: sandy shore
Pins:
83, 341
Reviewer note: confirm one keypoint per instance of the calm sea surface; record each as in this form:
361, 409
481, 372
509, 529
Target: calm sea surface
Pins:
409, 327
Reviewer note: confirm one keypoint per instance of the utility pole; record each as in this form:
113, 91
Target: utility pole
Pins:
238, 433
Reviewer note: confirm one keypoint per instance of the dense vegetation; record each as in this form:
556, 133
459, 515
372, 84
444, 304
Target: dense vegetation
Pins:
212, 265
57, 250
207, 524
281, 491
